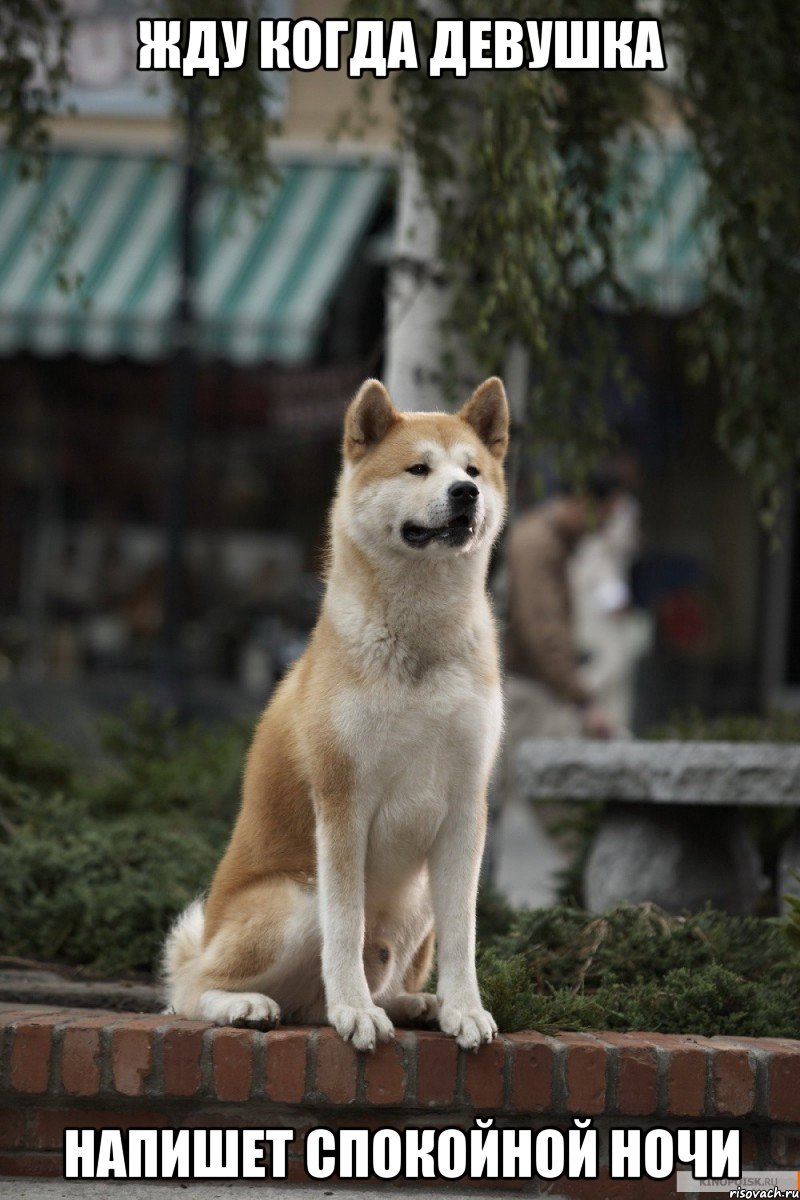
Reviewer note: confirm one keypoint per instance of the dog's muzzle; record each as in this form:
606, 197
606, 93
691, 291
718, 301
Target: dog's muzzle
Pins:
462, 498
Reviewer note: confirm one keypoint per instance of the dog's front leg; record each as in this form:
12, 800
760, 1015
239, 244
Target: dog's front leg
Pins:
454, 866
341, 857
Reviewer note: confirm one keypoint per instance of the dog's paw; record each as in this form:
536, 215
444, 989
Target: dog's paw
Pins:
469, 1026
364, 1027
251, 1009
413, 1006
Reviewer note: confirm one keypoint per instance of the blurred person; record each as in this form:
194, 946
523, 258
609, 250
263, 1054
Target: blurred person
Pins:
547, 695
611, 634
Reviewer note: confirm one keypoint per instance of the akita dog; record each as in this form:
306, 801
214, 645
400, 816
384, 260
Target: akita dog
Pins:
363, 814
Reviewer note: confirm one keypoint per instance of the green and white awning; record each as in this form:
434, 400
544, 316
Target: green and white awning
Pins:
88, 257
662, 243
88, 252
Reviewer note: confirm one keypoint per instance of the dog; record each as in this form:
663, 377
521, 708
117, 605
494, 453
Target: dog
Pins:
363, 812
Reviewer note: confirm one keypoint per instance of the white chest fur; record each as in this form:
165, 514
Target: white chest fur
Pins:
416, 751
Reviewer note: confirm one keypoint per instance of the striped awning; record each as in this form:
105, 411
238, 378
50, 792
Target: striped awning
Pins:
663, 245
89, 257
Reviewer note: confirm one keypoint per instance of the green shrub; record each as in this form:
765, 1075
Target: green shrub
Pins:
710, 1002
100, 894
691, 725
95, 863
637, 968
792, 924
160, 765
96, 860
30, 756
567, 947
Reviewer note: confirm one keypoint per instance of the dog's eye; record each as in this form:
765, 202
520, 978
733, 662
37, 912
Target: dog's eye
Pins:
419, 469
472, 471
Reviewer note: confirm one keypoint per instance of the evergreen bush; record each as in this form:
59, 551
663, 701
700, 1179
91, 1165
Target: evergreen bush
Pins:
96, 860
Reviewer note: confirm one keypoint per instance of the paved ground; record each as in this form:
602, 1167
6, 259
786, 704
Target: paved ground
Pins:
56, 1189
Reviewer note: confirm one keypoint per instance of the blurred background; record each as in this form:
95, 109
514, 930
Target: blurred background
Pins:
175, 359
195, 276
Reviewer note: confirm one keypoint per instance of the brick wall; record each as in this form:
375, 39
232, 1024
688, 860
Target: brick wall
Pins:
80, 1067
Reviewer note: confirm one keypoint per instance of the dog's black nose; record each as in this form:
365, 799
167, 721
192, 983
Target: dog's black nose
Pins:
462, 494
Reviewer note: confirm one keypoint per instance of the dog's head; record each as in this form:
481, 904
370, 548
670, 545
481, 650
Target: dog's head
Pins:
424, 484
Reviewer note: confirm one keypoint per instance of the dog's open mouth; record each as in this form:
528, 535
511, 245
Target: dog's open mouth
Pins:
456, 532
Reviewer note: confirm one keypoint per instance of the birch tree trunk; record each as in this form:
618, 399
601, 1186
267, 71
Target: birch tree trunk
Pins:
417, 300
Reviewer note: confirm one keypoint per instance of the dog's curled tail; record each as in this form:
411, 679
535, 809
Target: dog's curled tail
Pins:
182, 950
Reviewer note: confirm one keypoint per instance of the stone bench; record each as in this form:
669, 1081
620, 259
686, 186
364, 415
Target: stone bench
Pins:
672, 832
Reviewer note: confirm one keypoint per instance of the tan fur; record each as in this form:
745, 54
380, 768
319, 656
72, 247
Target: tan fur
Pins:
417, 974
304, 771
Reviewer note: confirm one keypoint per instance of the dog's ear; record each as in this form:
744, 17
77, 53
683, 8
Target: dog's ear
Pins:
487, 412
369, 418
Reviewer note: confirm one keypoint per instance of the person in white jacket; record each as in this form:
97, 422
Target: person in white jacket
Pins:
610, 633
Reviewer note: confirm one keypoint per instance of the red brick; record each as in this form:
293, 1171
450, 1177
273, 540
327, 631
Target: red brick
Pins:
785, 1148
297, 1173
749, 1144
100, 1016
637, 1073
181, 1049
232, 1063
585, 1073
657, 1189
81, 1049
80, 1061
734, 1083
532, 1073
687, 1073
784, 1085
31, 1054
385, 1073
286, 1065
750, 1043
132, 1057
48, 1125
483, 1075
25, 1165
778, 1043
12, 1013
12, 1128
337, 1068
442, 1186
604, 1188
437, 1061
